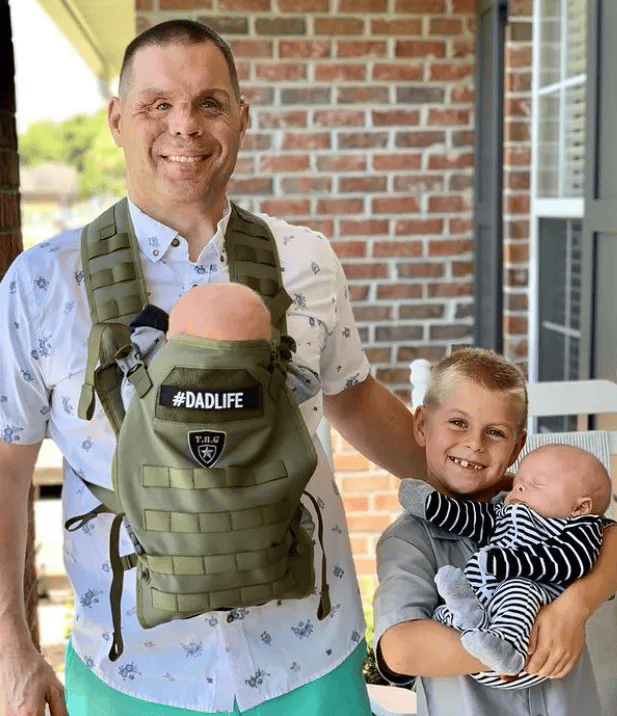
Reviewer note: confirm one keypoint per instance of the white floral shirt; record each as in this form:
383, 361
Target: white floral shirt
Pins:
206, 662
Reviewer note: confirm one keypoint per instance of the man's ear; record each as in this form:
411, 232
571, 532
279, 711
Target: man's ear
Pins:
584, 506
114, 119
419, 425
519, 445
245, 118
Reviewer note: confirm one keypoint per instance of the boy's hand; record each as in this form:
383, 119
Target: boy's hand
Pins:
412, 495
557, 638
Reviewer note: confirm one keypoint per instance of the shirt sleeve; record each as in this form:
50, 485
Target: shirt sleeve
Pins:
24, 397
343, 361
406, 568
558, 560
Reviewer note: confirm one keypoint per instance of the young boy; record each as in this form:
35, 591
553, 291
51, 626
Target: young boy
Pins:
545, 535
472, 426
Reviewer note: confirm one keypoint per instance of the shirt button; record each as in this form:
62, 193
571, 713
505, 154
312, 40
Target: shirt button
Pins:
155, 252
176, 242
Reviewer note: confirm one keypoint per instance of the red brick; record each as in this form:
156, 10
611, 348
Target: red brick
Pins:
395, 205
516, 252
420, 48
309, 49
280, 72
413, 6
460, 226
364, 227
412, 227
518, 57
397, 72
432, 353
245, 164
454, 247
450, 72
260, 96
282, 118
359, 545
450, 290
372, 314
323, 226
252, 48
254, 185
517, 204
395, 117
341, 163
252, 142
363, 6
366, 184
462, 95
520, 8
286, 207
518, 107
340, 206
338, 118
515, 156
362, 95
398, 26
183, 5
445, 26
355, 503
387, 501
378, 355
448, 204
339, 73
390, 375
358, 292
143, 5
395, 291
448, 117
284, 163
305, 95
350, 249
461, 182
338, 26
463, 48
518, 180
303, 5
461, 269
306, 140
421, 269
518, 82
362, 140
373, 270
518, 229
365, 565
419, 182
306, 185
244, 71
452, 332
419, 139
368, 523
361, 48
464, 6
452, 160
347, 462
397, 248
245, 5
397, 161
278, 26
515, 324
422, 312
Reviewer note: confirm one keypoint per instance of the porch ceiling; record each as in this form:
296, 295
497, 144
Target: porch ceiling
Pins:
99, 30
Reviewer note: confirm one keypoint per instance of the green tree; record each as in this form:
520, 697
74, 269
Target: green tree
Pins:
84, 141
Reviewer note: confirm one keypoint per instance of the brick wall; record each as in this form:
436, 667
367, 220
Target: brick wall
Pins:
362, 127
10, 246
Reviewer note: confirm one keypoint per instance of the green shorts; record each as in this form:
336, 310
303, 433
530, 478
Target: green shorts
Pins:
342, 691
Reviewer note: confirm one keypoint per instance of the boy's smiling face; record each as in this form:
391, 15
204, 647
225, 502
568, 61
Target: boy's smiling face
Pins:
471, 438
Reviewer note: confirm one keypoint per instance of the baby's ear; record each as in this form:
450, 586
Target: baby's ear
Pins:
584, 506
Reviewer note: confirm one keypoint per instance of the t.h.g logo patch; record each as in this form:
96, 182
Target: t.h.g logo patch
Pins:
206, 446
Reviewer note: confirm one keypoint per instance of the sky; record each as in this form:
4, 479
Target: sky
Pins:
52, 81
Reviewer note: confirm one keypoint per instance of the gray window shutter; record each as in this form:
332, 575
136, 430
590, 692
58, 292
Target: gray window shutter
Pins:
599, 241
491, 16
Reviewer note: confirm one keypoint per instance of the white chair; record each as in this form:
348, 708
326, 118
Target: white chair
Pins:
581, 398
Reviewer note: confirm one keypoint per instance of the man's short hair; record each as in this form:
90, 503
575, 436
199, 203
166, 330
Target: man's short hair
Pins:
177, 32
486, 368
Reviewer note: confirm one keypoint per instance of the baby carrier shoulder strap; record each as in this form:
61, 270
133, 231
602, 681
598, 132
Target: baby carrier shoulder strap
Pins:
116, 291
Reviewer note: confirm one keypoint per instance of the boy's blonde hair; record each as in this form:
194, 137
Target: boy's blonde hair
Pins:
486, 368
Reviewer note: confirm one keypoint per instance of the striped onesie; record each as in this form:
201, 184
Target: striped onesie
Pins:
525, 561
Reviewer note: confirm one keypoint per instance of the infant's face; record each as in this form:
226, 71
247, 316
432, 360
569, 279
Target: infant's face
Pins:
549, 484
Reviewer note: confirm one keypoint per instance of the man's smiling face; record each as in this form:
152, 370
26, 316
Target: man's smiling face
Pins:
180, 123
471, 438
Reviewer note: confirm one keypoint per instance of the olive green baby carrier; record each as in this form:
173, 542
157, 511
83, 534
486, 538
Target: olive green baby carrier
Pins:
212, 453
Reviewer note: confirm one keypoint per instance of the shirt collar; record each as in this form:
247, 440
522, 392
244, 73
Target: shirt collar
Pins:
155, 238
440, 533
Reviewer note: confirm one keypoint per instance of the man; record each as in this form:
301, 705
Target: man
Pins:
180, 120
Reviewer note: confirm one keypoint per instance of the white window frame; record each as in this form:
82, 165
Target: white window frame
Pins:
570, 208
